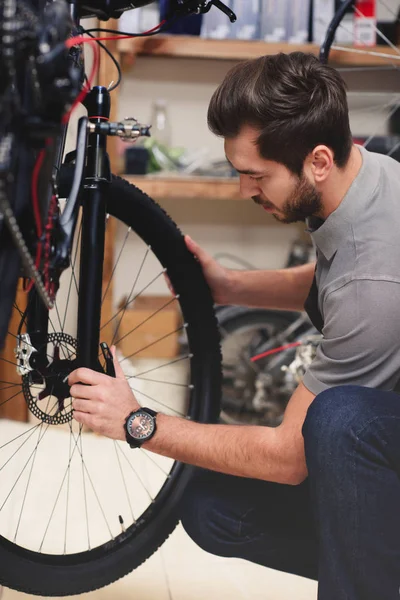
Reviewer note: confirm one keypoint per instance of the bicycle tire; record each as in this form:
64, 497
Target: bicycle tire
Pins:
57, 575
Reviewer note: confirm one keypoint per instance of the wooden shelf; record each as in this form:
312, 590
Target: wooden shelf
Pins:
196, 47
187, 188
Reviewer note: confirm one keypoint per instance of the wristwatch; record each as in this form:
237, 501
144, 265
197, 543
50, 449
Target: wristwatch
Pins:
140, 426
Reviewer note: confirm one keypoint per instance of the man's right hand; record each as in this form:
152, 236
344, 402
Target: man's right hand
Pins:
217, 277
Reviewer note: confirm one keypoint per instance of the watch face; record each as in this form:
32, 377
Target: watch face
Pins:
140, 426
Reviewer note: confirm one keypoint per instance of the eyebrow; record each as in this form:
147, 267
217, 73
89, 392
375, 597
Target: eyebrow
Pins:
246, 171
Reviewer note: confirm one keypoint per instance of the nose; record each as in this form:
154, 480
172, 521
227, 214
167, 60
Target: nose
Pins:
248, 187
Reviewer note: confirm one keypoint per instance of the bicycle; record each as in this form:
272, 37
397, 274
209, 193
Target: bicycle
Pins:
131, 498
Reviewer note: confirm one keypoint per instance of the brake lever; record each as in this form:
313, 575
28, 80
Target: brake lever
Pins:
223, 8
193, 7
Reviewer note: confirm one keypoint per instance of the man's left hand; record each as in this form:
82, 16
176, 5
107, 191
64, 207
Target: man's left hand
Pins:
104, 402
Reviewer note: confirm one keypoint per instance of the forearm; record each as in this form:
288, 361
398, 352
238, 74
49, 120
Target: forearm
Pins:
245, 451
285, 289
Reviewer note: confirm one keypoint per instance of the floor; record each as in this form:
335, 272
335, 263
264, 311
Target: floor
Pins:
182, 571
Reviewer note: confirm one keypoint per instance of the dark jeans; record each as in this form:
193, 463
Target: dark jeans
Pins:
341, 526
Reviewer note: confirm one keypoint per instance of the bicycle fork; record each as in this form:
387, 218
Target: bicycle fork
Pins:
92, 198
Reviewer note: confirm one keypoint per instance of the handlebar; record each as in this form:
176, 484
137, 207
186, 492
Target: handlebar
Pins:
113, 9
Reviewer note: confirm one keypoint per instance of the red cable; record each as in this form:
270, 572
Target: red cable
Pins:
274, 351
80, 39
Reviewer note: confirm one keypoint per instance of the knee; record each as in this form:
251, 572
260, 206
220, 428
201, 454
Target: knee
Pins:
332, 422
204, 519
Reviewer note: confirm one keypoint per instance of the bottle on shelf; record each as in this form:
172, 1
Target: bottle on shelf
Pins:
160, 125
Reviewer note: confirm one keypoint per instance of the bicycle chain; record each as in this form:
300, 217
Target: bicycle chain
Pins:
22, 248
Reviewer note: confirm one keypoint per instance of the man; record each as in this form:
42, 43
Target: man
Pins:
320, 494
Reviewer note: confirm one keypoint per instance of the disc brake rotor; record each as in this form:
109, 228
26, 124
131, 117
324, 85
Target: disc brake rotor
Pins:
46, 399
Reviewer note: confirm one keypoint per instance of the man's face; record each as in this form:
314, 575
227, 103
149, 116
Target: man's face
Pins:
270, 184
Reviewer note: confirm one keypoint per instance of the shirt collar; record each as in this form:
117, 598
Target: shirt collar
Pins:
329, 234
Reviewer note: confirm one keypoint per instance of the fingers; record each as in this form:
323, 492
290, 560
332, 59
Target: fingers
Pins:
83, 391
84, 375
81, 405
118, 369
195, 249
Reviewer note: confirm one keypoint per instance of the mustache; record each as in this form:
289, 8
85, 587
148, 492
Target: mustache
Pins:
258, 200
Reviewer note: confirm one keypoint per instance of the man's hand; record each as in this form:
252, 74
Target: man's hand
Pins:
217, 277
104, 402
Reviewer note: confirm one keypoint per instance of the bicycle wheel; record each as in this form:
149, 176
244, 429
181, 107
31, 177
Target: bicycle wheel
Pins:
256, 393
77, 510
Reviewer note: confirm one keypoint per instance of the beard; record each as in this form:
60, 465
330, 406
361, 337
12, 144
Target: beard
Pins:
304, 201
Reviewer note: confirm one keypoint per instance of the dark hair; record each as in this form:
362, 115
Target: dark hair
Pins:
292, 99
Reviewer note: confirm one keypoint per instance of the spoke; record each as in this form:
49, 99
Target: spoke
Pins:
8, 361
32, 430
84, 483
146, 453
24, 467
171, 362
177, 412
391, 112
20, 435
11, 398
185, 385
15, 305
67, 502
90, 479
133, 299
379, 33
123, 481
152, 343
135, 472
29, 478
167, 581
369, 52
57, 497
12, 385
72, 278
395, 147
131, 293
116, 264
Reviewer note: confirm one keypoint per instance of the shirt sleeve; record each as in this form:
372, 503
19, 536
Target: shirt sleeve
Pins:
361, 337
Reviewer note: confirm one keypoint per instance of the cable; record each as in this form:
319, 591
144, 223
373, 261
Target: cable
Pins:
86, 89
110, 54
274, 351
129, 34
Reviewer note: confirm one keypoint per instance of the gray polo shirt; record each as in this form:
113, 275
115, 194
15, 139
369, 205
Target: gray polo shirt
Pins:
358, 278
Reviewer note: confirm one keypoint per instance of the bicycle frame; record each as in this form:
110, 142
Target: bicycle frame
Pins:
93, 202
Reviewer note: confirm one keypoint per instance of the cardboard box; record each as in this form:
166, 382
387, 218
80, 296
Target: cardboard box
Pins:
145, 321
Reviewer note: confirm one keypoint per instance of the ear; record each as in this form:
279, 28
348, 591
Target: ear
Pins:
320, 163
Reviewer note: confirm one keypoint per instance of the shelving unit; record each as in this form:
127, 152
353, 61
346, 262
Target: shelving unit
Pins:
187, 188
196, 47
